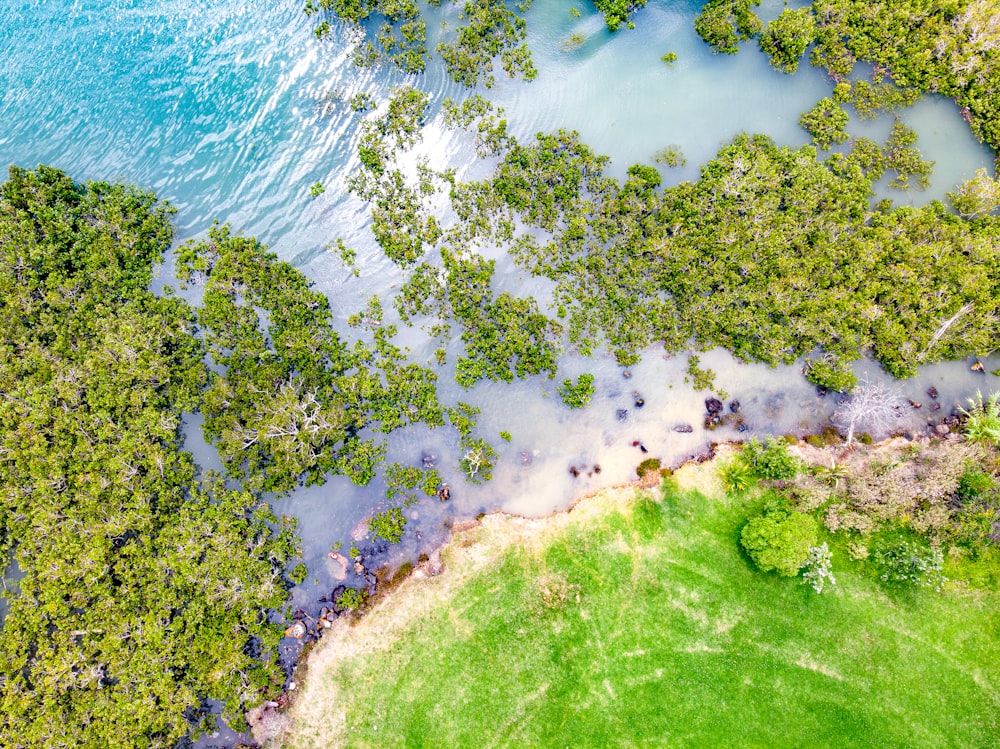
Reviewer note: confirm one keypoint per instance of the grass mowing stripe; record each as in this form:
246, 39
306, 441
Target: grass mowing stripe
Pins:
647, 626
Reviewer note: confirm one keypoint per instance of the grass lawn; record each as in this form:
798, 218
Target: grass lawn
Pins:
643, 624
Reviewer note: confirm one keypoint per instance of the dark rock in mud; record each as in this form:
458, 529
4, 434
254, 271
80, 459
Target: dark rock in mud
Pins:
932, 392
735, 407
684, 428
713, 406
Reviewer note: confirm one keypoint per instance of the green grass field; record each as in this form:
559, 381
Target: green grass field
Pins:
649, 627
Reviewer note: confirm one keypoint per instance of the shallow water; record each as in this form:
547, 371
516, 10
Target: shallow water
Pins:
230, 110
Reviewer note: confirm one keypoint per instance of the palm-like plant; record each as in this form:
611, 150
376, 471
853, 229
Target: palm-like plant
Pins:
982, 419
736, 476
832, 475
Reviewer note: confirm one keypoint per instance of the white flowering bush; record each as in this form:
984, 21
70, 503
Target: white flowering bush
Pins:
818, 570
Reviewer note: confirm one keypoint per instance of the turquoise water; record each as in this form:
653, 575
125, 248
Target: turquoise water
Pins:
230, 109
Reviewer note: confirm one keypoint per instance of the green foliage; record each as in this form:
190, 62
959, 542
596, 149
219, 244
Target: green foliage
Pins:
832, 373
649, 465
977, 197
145, 591
904, 561
388, 525
478, 459
643, 178
736, 476
617, 12
948, 48
771, 254
978, 511
826, 123
818, 569
464, 114
900, 157
669, 58
670, 156
869, 99
359, 460
362, 102
399, 29
574, 41
316, 189
700, 379
347, 255
505, 336
299, 573
723, 24
352, 599
577, 394
400, 480
462, 417
400, 225
785, 38
292, 392
780, 541
771, 461
974, 484
492, 31
982, 419
505, 436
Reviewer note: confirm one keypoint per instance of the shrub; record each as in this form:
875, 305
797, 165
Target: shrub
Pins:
826, 123
723, 24
771, 461
478, 460
298, 574
643, 178
647, 466
831, 373
779, 540
818, 568
671, 155
388, 525
785, 38
974, 483
905, 561
700, 379
352, 599
577, 395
